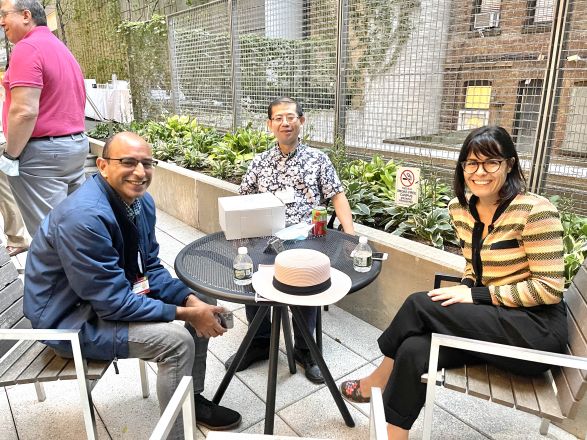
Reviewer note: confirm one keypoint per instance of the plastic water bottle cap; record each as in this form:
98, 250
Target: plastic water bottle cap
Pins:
363, 240
242, 250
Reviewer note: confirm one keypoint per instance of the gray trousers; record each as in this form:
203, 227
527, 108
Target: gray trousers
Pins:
14, 229
178, 352
49, 170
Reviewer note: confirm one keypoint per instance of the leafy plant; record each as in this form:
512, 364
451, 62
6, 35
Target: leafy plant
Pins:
193, 159
221, 168
574, 237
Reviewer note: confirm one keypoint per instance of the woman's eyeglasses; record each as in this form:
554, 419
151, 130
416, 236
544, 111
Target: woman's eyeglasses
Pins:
489, 165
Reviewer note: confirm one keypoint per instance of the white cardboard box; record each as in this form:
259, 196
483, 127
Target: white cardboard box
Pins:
253, 215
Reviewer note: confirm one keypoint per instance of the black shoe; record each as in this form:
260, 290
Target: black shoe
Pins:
304, 358
258, 351
215, 417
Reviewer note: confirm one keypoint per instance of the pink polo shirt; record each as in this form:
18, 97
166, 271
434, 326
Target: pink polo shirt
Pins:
42, 61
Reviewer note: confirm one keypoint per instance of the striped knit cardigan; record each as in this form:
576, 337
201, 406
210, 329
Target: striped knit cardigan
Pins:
520, 262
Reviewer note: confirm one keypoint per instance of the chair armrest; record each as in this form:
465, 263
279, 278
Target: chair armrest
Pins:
438, 340
182, 399
440, 277
511, 351
38, 334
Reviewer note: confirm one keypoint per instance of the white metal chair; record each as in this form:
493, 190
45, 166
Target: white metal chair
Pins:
377, 423
182, 400
562, 360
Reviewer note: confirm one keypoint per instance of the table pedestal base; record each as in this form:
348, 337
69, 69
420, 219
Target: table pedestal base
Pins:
279, 315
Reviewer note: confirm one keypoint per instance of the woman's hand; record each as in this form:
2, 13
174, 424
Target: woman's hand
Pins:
452, 295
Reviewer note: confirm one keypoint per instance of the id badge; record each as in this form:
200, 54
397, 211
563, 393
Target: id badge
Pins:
141, 286
286, 196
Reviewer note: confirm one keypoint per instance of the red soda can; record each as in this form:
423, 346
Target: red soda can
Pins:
319, 217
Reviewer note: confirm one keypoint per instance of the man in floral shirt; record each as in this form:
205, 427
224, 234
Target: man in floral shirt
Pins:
303, 178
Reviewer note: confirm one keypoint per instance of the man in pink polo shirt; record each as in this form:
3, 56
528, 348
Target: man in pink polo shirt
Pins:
43, 115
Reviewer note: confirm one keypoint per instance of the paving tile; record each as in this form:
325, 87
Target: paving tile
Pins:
336, 323
166, 221
115, 392
58, 417
169, 247
495, 420
445, 426
185, 234
7, 428
279, 428
316, 415
238, 396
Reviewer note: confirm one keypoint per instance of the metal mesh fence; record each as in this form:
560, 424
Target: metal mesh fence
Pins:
200, 53
407, 79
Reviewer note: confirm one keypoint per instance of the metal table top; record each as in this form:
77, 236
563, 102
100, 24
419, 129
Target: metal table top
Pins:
205, 265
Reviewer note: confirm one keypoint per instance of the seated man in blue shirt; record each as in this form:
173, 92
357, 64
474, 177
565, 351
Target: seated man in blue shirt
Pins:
303, 178
93, 265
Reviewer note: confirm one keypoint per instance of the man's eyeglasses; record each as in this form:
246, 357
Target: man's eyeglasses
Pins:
489, 165
4, 14
131, 162
289, 118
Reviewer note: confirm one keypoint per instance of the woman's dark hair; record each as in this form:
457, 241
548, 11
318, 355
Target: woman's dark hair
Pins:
492, 142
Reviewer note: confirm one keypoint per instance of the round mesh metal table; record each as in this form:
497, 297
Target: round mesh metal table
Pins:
206, 264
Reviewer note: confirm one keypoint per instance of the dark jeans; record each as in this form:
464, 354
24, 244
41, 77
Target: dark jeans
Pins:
264, 332
407, 341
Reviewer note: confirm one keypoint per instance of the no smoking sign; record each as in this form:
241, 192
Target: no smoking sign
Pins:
407, 186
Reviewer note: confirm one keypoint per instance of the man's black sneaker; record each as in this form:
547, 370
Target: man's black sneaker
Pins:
258, 351
215, 417
304, 358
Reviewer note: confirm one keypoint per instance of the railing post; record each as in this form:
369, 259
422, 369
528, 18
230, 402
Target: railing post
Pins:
548, 100
235, 63
172, 70
340, 85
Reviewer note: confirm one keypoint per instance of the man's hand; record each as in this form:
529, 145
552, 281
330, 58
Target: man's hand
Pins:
452, 295
202, 317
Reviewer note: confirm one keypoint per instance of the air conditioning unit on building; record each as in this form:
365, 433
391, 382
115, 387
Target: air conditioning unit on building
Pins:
471, 119
486, 20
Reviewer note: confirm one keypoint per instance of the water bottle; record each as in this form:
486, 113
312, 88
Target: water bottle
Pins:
362, 256
242, 267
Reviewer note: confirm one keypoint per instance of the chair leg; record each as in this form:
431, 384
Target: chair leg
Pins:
144, 378
84, 391
40, 391
544, 425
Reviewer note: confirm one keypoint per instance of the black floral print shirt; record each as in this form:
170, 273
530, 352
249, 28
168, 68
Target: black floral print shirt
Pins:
307, 170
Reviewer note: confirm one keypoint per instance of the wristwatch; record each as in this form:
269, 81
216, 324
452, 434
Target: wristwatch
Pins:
8, 156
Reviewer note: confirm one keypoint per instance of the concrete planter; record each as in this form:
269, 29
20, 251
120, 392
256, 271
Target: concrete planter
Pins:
192, 197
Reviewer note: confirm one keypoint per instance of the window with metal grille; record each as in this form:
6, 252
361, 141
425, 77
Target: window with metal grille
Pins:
541, 11
576, 129
486, 14
527, 111
477, 101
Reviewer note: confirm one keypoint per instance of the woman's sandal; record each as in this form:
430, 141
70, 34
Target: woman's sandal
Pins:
351, 390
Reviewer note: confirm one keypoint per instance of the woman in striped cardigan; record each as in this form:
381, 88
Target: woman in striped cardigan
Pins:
511, 290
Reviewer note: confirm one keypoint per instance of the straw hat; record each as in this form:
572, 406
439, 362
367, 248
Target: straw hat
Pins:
301, 277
